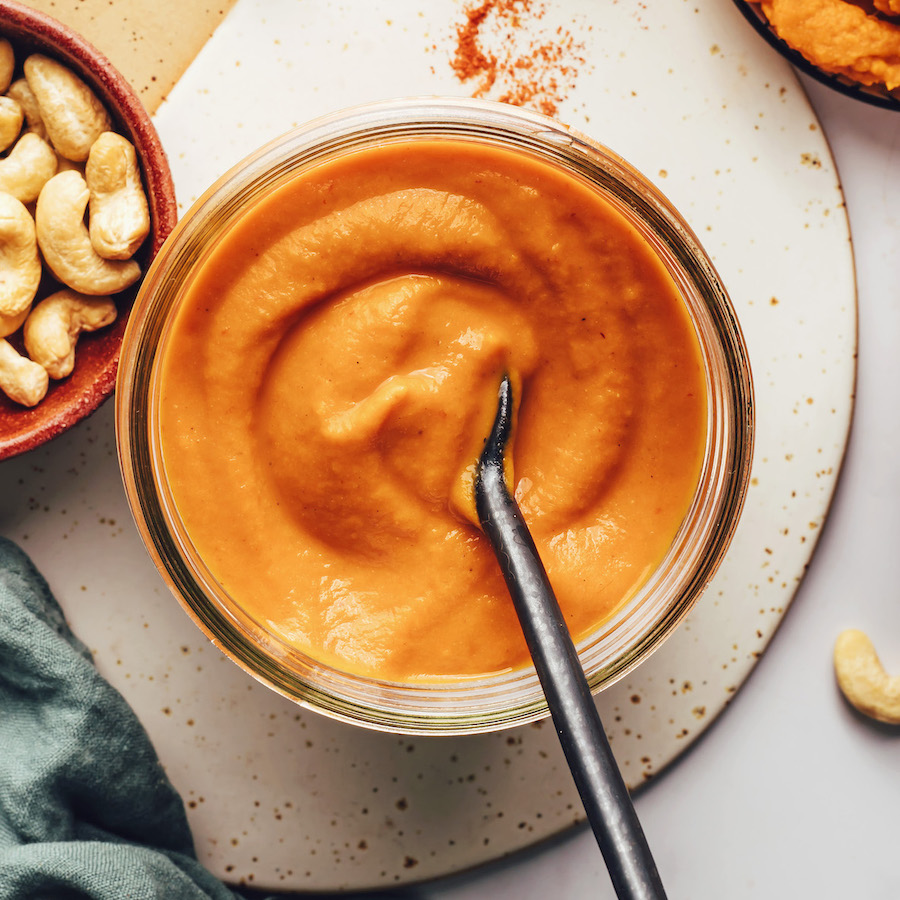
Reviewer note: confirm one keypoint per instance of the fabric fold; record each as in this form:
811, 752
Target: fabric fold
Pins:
86, 809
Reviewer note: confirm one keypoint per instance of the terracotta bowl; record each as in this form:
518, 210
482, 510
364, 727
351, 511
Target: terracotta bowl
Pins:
72, 399
877, 95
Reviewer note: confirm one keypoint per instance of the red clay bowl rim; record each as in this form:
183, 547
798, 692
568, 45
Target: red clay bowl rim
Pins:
42, 33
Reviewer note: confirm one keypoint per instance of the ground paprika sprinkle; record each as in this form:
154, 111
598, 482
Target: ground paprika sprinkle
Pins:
502, 46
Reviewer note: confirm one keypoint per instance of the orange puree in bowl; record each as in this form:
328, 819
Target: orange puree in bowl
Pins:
332, 372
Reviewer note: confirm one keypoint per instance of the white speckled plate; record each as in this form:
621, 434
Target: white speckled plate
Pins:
280, 798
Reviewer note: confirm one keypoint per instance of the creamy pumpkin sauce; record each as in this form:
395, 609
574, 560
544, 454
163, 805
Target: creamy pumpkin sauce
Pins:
332, 373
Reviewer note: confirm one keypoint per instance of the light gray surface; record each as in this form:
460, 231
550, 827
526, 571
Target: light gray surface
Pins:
790, 794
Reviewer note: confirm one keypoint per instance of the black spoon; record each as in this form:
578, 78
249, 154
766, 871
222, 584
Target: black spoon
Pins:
603, 792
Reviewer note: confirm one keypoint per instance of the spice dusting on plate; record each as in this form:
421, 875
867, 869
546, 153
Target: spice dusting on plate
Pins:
511, 55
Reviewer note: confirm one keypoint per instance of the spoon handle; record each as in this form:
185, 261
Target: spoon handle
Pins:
603, 792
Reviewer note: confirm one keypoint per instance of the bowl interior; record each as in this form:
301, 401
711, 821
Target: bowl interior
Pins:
93, 380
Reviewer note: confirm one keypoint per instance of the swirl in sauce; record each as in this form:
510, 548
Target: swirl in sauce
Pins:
332, 372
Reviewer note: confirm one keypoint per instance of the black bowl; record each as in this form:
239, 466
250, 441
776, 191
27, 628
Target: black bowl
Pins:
877, 95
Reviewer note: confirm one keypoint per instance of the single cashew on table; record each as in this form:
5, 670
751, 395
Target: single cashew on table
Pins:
863, 680
72, 204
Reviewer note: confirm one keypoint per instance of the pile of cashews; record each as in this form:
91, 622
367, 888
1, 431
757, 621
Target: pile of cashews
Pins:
60, 159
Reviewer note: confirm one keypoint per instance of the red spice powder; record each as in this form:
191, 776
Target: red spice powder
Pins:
503, 46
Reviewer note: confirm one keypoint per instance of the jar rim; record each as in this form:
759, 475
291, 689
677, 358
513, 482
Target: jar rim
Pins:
644, 622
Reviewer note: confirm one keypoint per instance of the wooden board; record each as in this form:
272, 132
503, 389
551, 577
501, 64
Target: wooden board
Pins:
151, 42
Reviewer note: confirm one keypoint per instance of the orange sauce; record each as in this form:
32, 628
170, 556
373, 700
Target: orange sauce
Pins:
332, 372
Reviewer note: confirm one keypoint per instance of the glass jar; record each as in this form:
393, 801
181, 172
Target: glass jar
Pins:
473, 704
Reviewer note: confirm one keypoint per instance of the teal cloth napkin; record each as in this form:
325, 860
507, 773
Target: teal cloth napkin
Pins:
86, 809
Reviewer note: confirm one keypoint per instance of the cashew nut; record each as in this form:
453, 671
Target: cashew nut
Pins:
24, 96
66, 244
119, 217
21, 379
29, 166
66, 165
52, 329
72, 114
10, 324
863, 680
11, 118
20, 264
7, 64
